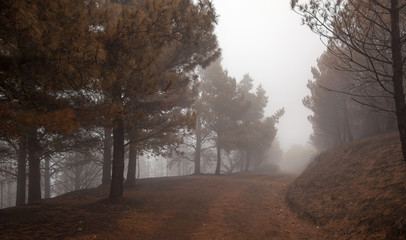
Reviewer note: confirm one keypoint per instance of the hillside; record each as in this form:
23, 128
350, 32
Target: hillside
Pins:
355, 191
241, 206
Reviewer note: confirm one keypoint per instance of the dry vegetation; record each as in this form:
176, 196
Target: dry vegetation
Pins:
355, 191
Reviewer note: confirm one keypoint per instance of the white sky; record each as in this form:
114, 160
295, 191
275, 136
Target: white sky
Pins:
265, 38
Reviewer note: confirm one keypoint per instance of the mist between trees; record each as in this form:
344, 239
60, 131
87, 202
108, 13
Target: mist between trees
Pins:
358, 85
89, 87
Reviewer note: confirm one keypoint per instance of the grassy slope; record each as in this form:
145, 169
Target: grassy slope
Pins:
355, 191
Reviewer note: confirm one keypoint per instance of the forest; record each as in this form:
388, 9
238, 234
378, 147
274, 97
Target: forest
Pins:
107, 92
132, 80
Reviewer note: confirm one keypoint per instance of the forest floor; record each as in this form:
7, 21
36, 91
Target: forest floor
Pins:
241, 206
353, 191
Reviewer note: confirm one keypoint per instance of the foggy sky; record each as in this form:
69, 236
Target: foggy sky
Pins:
265, 38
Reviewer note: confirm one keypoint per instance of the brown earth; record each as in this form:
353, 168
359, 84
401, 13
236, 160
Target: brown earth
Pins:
242, 206
355, 191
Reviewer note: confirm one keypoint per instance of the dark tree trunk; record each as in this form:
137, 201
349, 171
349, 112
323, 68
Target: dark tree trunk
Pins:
247, 164
218, 165
132, 163
1, 196
397, 78
138, 169
21, 170
116, 187
106, 177
198, 145
77, 174
242, 161
34, 174
47, 179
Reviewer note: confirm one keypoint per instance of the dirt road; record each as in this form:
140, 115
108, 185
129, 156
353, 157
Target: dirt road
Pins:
220, 207
243, 206
254, 208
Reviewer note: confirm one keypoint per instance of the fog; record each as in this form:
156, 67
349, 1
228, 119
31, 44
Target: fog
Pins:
209, 119
267, 40
296, 158
170, 125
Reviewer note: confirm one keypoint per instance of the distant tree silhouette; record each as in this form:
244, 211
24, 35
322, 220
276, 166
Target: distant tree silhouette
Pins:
367, 38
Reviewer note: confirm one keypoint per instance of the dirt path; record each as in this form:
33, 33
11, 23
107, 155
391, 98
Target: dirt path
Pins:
234, 207
254, 208
225, 207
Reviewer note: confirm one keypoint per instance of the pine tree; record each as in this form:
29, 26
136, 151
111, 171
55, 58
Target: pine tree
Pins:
255, 134
223, 106
39, 66
150, 50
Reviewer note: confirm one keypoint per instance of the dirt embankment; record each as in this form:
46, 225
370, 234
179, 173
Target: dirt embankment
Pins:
355, 191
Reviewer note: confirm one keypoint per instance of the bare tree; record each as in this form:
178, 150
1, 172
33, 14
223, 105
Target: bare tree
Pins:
368, 38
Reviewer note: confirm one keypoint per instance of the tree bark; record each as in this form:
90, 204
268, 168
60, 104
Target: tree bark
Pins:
397, 78
198, 145
34, 175
47, 179
21, 171
218, 165
106, 176
116, 187
132, 163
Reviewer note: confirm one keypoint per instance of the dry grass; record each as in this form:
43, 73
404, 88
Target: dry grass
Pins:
355, 191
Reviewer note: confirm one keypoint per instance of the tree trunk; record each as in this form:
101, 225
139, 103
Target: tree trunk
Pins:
242, 161
21, 171
198, 145
132, 163
397, 78
47, 179
77, 174
106, 177
138, 168
218, 165
116, 187
34, 175
2, 194
247, 164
